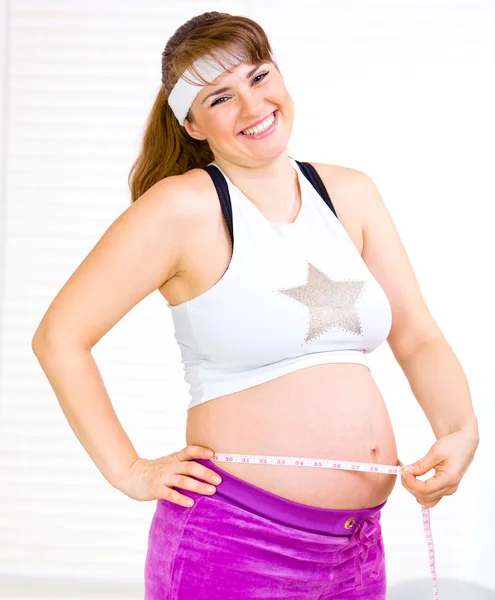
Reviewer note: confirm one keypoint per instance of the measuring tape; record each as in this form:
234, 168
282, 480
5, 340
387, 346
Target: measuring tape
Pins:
344, 465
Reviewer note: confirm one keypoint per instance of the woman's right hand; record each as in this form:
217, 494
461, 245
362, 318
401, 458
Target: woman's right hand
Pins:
154, 479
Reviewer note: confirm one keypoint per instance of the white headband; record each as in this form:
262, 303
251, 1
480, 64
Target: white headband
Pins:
183, 93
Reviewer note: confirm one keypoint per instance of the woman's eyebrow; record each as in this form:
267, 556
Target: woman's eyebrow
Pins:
226, 89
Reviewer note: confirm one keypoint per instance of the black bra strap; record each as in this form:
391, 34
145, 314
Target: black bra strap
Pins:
313, 177
224, 197
223, 190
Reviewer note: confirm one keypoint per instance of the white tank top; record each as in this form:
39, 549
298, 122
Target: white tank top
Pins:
293, 296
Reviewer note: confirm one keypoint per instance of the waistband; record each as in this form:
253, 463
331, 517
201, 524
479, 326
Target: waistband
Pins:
327, 521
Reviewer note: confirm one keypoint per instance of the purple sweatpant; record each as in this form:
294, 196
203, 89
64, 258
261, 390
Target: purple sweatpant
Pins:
244, 542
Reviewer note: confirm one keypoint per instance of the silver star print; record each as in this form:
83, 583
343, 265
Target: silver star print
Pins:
330, 302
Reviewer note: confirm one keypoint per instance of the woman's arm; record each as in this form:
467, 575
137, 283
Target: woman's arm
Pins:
138, 253
435, 376
439, 384
419, 346
79, 388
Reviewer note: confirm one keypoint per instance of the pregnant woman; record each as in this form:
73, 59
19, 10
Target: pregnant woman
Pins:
281, 277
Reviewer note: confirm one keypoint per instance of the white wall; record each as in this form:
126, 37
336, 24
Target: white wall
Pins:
403, 91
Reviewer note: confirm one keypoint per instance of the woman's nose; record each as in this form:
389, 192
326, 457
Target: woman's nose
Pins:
251, 105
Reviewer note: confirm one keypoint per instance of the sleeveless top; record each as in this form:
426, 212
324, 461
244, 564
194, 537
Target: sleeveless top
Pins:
294, 295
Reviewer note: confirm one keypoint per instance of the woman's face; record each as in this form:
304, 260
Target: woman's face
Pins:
255, 92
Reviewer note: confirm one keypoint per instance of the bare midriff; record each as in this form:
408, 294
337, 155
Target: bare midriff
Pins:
332, 411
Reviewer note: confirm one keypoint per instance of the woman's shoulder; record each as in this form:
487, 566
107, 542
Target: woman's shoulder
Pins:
336, 174
344, 186
191, 191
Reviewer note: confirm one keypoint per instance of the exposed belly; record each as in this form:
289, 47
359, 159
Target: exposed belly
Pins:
332, 411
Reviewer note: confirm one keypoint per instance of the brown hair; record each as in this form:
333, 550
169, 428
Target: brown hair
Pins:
167, 149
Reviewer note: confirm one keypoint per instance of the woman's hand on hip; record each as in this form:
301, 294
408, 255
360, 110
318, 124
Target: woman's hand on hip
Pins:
154, 479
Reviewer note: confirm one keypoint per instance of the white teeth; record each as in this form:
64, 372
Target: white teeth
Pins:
261, 127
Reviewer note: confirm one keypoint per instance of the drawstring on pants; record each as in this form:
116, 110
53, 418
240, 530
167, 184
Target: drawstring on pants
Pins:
367, 533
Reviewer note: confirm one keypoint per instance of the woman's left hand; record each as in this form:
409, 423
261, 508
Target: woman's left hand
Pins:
450, 456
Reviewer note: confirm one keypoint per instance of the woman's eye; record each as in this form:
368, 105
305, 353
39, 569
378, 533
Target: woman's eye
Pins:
263, 75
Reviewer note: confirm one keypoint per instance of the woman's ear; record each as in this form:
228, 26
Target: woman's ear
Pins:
193, 131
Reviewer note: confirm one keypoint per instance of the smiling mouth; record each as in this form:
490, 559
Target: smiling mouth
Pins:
272, 114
